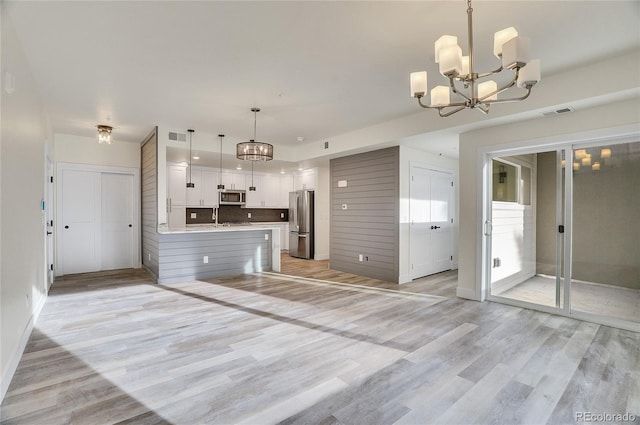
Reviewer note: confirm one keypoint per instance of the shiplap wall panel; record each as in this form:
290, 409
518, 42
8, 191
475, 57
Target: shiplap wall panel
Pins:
230, 253
369, 226
149, 188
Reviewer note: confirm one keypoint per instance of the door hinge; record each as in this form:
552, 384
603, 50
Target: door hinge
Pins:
51, 223
451, 184
452, 258
51, 179
51, 267
561, 228
451, 221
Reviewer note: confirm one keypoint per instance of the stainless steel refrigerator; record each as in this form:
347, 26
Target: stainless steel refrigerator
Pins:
301, 208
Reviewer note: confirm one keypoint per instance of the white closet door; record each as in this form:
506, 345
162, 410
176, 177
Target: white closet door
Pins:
117, 221
80, 227
430, 215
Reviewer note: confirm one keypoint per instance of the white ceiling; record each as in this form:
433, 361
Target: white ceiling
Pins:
317, 69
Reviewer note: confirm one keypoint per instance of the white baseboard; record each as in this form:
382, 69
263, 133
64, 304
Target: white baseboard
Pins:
321, 257
469, 294
404, 278
7, 376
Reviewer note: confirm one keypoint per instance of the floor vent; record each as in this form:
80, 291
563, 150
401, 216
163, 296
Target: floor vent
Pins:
177, 137
559, 111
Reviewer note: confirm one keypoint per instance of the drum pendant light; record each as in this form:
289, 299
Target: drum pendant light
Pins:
254, 151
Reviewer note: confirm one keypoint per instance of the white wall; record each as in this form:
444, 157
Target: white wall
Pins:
588, 124
87, 150
440, 163
22, 261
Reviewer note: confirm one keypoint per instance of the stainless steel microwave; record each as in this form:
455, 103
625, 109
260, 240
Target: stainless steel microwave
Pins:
233, 197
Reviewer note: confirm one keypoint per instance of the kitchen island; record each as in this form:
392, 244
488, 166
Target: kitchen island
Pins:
205, 252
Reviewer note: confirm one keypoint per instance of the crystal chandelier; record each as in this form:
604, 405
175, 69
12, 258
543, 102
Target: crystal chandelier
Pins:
104, 134
510, 48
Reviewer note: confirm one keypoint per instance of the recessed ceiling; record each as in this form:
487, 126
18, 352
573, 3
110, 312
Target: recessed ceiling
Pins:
316, 69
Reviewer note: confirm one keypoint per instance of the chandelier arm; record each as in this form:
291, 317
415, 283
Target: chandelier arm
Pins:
513, 99
455, 90
500, 90
463, 104
490, 73
450, 112
483, 107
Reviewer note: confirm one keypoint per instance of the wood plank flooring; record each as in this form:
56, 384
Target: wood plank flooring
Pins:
264, 349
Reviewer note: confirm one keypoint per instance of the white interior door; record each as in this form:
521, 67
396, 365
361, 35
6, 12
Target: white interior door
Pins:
80, 225
48, 193
118, 227
430, 218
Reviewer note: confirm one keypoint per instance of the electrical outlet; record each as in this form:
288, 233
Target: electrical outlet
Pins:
248, 215
360, 257
194, 215
281, 215
266, 236
149, 254
205, 259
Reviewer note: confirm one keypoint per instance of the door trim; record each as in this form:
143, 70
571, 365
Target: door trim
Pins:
60, 167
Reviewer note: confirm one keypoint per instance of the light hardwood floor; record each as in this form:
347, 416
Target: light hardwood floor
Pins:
266, 348
603, 300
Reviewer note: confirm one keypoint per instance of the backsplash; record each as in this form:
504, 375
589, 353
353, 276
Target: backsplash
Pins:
237, 214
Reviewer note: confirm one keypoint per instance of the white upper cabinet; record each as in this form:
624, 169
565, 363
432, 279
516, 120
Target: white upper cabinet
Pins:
271, 184
286, 186
205, 190
233, 180
176, 185
307, 179
255, 198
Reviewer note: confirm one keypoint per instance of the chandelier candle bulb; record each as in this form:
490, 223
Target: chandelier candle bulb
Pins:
515, 52
529, 74
605, 153
451, 60
418, 83
576, 166
444, 41
595, 166
440, 96
502, 37
487, 87
580, 153
586, 161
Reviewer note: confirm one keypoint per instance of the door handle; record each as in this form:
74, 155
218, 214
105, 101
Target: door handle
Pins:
49, 233
435, 227
66, 227
131, 225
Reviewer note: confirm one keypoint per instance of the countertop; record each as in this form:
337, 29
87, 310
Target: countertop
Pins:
220, 228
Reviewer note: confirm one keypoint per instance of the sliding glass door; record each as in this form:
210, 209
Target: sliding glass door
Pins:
570, 211
605, 278
526, 212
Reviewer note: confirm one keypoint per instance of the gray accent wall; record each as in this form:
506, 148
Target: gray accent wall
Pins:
369, 226
149, 187
229, 253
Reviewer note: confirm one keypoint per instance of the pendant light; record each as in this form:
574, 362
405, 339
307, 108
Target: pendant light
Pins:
190, 184
254, 151
220, 185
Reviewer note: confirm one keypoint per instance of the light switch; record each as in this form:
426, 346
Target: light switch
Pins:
342, 183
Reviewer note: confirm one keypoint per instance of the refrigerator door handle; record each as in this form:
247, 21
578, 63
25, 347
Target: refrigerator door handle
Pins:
303, 236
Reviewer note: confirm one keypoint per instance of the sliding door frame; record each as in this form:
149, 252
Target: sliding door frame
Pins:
565, 144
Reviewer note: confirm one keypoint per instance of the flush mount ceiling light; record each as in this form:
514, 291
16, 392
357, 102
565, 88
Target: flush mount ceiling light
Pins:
512, 49
254, 151
104, 134
190, 184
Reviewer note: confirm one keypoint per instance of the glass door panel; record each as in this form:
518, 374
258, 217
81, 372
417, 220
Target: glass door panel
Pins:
606, 231
526, 210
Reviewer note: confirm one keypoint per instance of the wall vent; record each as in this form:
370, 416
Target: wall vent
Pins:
558, 111
177, 137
